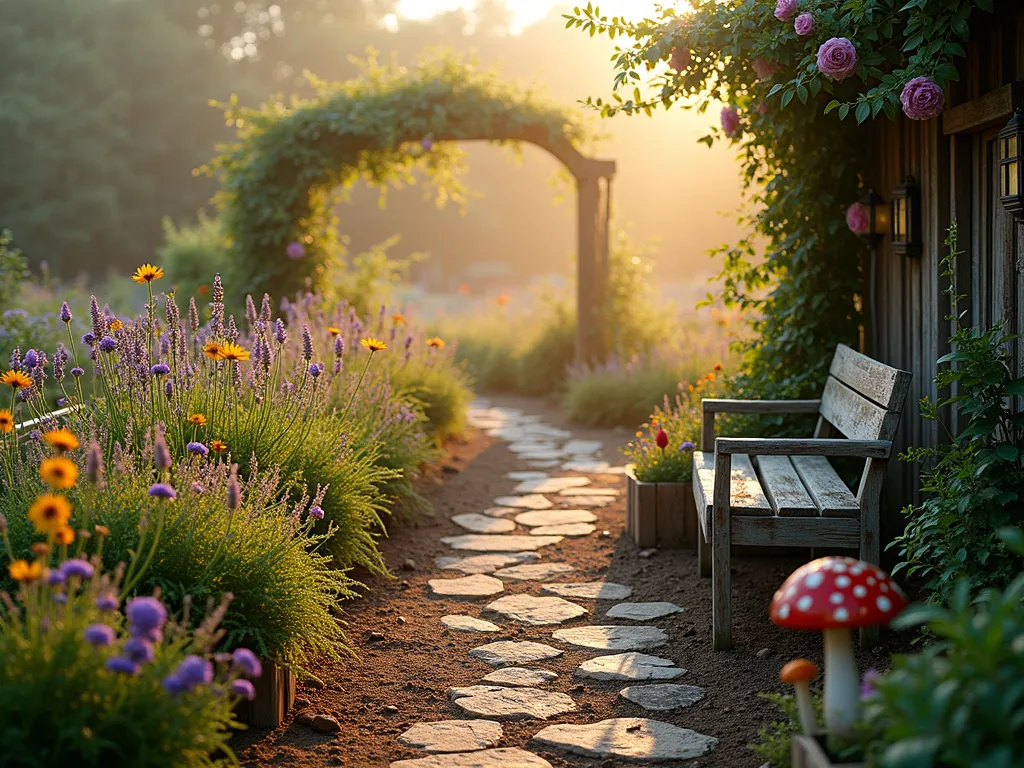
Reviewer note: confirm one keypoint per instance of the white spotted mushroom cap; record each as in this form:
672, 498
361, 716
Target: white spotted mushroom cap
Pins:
834, 592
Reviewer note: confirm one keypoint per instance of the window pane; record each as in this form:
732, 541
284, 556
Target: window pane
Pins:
1014, 173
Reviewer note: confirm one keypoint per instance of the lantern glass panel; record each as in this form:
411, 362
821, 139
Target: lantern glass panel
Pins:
1012, 181
899, 224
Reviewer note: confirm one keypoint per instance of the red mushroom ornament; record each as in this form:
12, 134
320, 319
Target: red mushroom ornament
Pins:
836, 595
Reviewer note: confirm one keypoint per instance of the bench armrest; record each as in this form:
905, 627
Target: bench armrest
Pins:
799, 446
712, 405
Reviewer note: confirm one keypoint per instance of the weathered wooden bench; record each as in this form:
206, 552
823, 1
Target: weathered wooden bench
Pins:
784, 492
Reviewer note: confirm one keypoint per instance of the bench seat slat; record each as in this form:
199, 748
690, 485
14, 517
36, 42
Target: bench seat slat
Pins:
746, 496
783, 487
828, 490
842, 533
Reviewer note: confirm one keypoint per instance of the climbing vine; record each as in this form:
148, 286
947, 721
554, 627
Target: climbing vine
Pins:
790, 74
293, 161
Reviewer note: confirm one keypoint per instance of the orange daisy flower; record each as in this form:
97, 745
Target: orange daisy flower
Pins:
16, 379
147, 273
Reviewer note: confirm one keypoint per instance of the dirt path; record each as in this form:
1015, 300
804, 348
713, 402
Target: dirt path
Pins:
409, 659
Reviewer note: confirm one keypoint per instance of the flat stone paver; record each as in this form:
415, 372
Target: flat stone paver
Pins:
628, 738
537, 611
453, 736
543, 463
551, 484
530, 446
481, 542
543, 454
590, 590
461, 623
526, 474
477, 585
613, 638
501, 703
540, 517
483, 523
585, 465
533, 571
530, 501
629, 666
483, 563
578, 446
507, 757
520, 676
663, 696
639, 611
568, 529
510, 653
612, 492
502, 511
587, 501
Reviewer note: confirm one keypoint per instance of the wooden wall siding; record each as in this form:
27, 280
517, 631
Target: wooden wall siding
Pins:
955, 172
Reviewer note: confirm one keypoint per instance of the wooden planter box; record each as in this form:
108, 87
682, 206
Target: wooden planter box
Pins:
660, 514
808, 752
275, 698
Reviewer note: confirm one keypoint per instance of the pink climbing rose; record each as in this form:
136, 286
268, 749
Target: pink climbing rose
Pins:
803, 25
784, 9
837, 58
680, 59
922, 99
295, 250
730, 121
858, 219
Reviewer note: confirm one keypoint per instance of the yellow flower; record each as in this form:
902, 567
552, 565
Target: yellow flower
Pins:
116, 325
219, 446
61, 439
374, 345
16, 380
147, 273
231, 351
436, 342
213, 350
6, 421
398, 318
22, 570
334, 331
65, 535
58, 472
49, 513
197, 418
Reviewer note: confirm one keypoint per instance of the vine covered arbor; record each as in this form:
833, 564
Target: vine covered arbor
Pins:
282, 177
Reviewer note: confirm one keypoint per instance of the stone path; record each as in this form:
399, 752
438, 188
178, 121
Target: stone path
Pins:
502, 545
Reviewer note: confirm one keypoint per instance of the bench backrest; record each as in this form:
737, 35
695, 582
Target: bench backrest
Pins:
863, 398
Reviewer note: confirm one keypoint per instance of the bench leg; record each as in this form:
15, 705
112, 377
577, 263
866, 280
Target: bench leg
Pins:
870, 536
703, 556
721, 539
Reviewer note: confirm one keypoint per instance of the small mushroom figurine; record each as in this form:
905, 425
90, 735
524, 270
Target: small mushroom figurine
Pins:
836, 595
799, 672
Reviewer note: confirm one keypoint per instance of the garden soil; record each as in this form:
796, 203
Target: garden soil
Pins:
407, 659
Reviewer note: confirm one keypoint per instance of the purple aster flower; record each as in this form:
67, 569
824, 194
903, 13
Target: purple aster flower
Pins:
53, 578
60, 598
31, 359
107, 602
121, 664
107, 344
77, 567
316, 512
160, 369
61, 402
76, 371
162, 491
138, 650
65, 313
89, 338
687, 446
243, 688
146, 616
99, 634
295, 250
197, 448
248, 662
173, 685
193, 671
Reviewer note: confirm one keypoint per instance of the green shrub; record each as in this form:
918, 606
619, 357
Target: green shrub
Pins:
193, 252
542, 365
773, 744
441, 394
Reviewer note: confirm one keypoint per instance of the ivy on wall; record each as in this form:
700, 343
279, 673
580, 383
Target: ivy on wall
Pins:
292, 161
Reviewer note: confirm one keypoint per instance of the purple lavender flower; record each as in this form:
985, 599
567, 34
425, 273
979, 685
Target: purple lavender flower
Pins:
76, 371
197, 448
161, 453
243, 688
193, 315
31, 359
280, 333
107, 602
89, 338
169, 388
234, 491
121, 664
265, 310
77, 567
314, 370
35, 435
99, 635
138, 650
160, 369
248, 662
96, 318
307, 344
65, 313
107, 344
146, 616
94, 463
339, 345
316, 512
193, 671
162, 491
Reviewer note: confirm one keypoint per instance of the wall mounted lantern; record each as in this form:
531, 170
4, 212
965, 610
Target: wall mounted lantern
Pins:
906, 218
1011, 164
878, 217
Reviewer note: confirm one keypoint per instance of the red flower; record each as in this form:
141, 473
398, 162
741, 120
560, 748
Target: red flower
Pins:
661, 439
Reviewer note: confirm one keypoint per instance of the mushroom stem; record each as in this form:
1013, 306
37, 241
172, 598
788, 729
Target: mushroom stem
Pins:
805, 707
842, 689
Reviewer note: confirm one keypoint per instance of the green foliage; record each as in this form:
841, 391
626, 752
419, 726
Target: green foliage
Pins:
959, 703
279, 178
773, 744
441, 394
191, 253
542, 366
13, 269
975, 481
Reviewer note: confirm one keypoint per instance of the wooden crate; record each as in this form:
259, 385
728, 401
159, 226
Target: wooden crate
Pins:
660, 514
275, 698
808, 752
